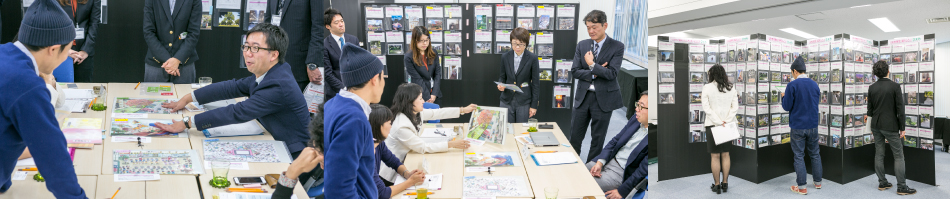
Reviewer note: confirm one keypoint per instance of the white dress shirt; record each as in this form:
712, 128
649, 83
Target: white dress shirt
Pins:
403, 137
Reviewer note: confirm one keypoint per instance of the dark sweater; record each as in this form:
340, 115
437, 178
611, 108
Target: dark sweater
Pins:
349, 158
801, 102
27, 119
886, 105
385, 156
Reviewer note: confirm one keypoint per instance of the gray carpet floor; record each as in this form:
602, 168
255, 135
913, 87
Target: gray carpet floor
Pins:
617, 121
864, 188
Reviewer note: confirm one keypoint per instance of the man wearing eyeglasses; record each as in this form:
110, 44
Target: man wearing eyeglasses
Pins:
274, 98
623, 162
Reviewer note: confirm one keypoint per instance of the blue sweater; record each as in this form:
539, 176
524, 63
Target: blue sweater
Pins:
384, 155
276, 102
28, 119
350, 163
801, 102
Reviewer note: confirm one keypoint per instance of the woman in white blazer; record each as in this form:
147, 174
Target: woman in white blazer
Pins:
721, 103
406, 128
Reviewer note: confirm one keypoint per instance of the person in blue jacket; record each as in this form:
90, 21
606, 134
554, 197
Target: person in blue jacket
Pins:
26, 116
800, 99
623, 162
349, 159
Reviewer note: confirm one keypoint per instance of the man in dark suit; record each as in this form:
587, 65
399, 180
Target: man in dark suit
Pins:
333, 44
623, 163
304, 29
520, 65
273, 97
171, 57
886, 109
597, 94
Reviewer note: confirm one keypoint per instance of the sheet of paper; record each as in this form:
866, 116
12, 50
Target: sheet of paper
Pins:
241, 129
234, 165
134, 177
26, 162
78, 94
129, 115
510, 87
554, 158
480, 169
19, 175
437, 133
432, 182
475, 142
131, 139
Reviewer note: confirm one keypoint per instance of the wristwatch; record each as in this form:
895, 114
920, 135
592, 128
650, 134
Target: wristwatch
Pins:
187, 120
312, 66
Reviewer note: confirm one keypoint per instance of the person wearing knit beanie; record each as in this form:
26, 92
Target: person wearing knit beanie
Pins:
28, 118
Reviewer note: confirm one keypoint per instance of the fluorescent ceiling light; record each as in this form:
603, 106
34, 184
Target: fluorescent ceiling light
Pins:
884, 24
797, 32
860, 6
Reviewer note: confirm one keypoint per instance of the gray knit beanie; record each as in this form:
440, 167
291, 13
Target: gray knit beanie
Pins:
46, 24
358, 65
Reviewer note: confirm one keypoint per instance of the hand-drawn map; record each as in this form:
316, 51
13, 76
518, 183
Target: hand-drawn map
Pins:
141, 105
493, 186
488, 124
490, 159
155, 162
246, 151
141, 127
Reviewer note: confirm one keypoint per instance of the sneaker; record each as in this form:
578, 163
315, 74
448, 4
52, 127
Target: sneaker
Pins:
884, 186
802, 191
905, 190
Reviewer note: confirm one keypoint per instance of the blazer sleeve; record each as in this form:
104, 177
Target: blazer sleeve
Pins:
409, 138
194, 29
615, 143
734, 107
329, 75
635, 178
899, 108
89, 46
151, 37
579, 69
229, 89
315, 50
609, 72
535, 83
265, 101
437, 78
440, 114
503, 75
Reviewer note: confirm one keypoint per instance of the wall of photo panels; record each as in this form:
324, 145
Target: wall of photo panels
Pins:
470, 39
759, 65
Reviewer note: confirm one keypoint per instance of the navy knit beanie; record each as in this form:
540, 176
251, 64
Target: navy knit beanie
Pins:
358, 65
799, 64
46, 24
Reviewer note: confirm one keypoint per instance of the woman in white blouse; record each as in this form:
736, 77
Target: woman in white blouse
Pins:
406, 128
721, 103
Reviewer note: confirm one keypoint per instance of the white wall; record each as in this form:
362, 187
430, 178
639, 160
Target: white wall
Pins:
942, 60
608, 6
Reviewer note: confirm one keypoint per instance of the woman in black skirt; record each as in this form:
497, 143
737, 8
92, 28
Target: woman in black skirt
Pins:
721, 103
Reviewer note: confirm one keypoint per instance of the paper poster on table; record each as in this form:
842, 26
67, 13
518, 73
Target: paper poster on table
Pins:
141, 105
245, 151
147, 161
452, 68
141, 127
256, 10
83, 123
491, 159
157, 89
487, 124
562, 96
495, 186
228, 13
206, 10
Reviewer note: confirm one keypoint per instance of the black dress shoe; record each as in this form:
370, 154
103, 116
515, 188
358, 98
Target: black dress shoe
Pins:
716, 188
724, 186
905, 190
884, 186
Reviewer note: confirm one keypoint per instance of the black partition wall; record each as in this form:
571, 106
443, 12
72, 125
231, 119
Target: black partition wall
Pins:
759, 66
474, 83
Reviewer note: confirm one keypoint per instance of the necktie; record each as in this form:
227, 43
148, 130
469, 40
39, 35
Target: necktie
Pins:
341, 43
596, 50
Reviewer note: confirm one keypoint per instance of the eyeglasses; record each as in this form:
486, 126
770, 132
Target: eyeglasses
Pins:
519, 45
641, 107
424, 41
254, 49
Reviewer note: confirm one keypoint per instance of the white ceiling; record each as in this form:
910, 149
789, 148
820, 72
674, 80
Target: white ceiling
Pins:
908, 15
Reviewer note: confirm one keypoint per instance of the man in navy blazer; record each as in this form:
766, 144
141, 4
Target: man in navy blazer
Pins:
331, 56
596, 63
623, 163
273, 96
303, 25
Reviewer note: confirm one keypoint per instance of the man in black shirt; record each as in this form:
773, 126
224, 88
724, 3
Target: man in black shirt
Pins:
886, 108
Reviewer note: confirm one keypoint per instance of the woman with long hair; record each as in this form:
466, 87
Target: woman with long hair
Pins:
407, 127
422, 65
721, 103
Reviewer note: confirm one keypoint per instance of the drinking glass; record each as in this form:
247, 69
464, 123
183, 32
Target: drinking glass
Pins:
220, 170
550, 193
204, 81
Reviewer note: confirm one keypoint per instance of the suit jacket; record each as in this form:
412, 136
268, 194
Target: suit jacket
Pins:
276, 102
303, 22
636, 168
606, 86
87, 16
163, 29
331, 63
427, 77
528, 72
886, 105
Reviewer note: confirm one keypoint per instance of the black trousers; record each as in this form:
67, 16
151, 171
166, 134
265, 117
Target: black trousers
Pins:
82, 73
589, 113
